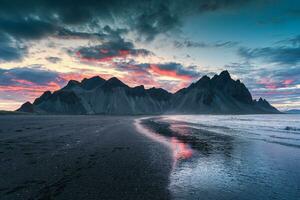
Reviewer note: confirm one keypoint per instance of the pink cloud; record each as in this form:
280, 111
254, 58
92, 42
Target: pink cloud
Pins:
287, 82
268, 83
168, 72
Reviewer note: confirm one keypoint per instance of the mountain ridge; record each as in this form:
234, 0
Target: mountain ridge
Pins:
217, 95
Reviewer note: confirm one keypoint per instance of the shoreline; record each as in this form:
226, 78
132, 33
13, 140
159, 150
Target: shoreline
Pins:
150, 157
80, 157
221, 153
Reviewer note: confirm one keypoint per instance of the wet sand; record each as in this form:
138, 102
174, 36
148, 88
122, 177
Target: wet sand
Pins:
223, 160
80, 157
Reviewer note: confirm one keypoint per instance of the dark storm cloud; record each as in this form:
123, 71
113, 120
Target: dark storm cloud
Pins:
26, 28
33, 19
281, 55
155, 21
53, 59
193, 44
24, 75
162, 16
109, 50
11, 50
106, 34
67, 34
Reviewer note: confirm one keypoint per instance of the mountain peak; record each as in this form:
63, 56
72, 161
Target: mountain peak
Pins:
93, 82
219, 94
71, 84
42, 98
221, 80
261, 100
140, 87
137, 91
203, 81
159, 94
115, 82
27, 107
225, 75
92, 78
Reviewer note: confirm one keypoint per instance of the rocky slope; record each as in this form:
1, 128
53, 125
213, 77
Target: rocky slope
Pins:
218, 95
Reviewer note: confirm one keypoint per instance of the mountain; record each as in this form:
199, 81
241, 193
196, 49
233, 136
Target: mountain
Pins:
293, 111
218, 95
98, 96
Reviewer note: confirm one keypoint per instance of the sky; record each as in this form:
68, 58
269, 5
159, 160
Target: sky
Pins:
161, 43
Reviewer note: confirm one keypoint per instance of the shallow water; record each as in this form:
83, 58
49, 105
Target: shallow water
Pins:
232, 156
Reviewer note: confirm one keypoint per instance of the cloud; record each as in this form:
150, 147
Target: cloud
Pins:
36, 79
69, 34
288, 53
26, 28
11, 50
36, 75
279, 85
294, 41
105, 33
170, 76
35, 19
109, 51
174, 70
280, 55
171, 71
155, 21
267, 78
193, 44
283, 78
27, 83
53, 59
31, 75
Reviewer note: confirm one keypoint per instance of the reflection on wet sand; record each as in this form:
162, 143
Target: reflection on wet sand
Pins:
213, 161
184, 139
180, 149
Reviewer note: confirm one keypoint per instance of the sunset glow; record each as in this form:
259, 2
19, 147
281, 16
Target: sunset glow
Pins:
169, 51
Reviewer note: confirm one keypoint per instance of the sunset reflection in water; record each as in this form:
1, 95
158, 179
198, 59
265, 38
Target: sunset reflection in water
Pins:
180, 149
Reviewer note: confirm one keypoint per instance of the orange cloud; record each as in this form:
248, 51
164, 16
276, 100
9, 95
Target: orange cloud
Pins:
169, 72
30, 90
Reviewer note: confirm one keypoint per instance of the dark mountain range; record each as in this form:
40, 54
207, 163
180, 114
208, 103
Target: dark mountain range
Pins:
218, 95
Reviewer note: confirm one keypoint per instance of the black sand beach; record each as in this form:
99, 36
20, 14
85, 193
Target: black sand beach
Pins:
80, 157
227, 157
